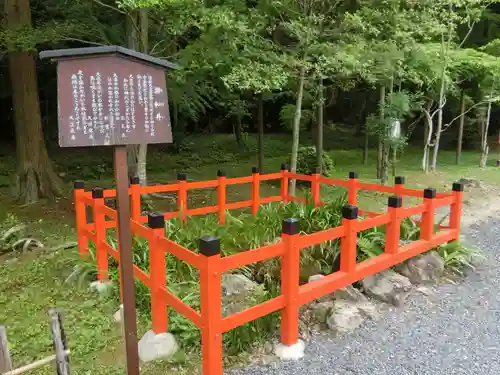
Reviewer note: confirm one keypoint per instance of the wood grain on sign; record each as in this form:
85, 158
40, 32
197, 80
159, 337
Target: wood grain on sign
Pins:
111, 100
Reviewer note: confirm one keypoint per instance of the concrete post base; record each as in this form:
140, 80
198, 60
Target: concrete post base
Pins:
293, 352
153, 346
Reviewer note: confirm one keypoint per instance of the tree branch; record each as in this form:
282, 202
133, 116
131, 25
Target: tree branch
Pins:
463, 114
109, 6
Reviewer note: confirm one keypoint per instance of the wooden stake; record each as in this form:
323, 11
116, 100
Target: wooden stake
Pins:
5, 363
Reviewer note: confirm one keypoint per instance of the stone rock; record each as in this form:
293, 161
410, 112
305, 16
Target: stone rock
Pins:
236, 284
239, 293
118, 315
470, 183
423, 268
345, 317
349, 293
315, 277
152, 346
101, 287
387, 286
321, 310
368, 310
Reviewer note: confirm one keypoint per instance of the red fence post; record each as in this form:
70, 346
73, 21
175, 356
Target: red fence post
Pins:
100, 234
316, 188
255, 190
284, 183
399, 186
348, 243
158, 273
182, 197
211, 306
81, 218
456, 208
352, 189
221, 196
393, 231
290, 275
427, 223
135, 198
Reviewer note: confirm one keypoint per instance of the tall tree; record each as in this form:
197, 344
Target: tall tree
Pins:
35, 173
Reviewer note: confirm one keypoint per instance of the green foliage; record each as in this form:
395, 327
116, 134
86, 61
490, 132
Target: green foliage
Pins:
306, 161
458, 256
13, 236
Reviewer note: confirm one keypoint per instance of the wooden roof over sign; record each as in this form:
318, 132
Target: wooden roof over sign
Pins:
106, 50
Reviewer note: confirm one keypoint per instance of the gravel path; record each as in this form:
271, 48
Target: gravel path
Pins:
455, 331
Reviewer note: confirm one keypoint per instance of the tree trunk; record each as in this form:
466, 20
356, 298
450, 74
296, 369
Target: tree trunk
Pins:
366, 148
296, 129
460, 127
35, 177
428, 137
142, 154
439, 125
319, 129
380, 150
237, 132
260, 125
484, 138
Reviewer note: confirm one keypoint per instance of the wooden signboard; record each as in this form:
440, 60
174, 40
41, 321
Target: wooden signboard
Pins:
112, 96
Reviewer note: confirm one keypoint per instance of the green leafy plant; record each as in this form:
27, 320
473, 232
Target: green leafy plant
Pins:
306, 161
13, 236
458, 257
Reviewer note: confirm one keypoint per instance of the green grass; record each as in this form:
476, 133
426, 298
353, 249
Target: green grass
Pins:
33, 283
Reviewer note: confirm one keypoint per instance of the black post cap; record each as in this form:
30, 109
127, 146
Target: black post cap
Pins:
78, 184
97, 193
395, 202
350, 212
221, 173
134, 180
399, 180
156, 220
255, 170
458, 186
181, 177
209, 246
285, 167
290, 226
353, 175
430, 193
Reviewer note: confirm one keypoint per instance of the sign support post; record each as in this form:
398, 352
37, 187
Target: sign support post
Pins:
113, 96
126, 259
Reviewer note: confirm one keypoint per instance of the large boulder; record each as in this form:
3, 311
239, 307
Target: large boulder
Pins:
344, 317
424, 268
387, 286
239, 293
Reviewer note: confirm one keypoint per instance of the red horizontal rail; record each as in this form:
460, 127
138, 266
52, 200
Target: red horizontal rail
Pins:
375, 187
202, 210
202, 184
251, 256
328, 284
333, 181
267, 200
252, 313
159, 189
109, 212
372, 222
271, 176
369, 213
446, 201
142, 276
182, 308
320, 237
239, 180
300, 177
180, 252
139, 229
411, 211
236, 205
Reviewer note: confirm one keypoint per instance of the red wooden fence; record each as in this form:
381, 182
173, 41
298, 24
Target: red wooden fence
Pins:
211, 265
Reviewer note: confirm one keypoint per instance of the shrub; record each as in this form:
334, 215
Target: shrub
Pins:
13, 236
306, 161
